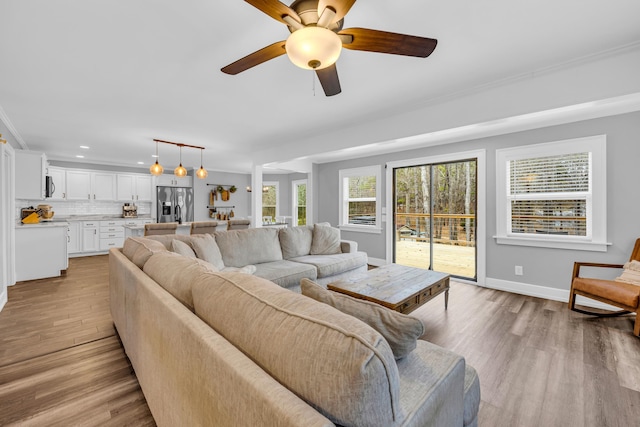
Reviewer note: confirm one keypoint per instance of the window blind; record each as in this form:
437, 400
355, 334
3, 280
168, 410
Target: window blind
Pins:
553, 174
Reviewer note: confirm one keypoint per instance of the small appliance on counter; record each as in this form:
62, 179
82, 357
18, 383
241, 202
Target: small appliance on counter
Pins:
46, 212
129, 211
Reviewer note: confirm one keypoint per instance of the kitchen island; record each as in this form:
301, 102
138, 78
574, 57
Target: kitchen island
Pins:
184, 228
41, 250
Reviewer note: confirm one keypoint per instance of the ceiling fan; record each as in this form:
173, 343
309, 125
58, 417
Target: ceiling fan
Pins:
317, 39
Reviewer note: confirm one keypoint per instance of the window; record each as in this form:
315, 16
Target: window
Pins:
269, 201
553, 194
299, 192
360, 199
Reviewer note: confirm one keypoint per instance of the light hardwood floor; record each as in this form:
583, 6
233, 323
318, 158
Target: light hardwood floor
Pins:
61, 363
539, 363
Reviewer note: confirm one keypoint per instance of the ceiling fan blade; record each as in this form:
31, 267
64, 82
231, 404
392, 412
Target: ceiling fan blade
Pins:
341, 7
274, 9
329, 80
385, 42
256, 58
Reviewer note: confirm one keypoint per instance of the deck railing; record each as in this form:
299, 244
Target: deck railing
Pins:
453, 229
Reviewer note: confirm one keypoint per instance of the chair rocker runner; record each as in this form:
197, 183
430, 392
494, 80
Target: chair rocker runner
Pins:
624, 295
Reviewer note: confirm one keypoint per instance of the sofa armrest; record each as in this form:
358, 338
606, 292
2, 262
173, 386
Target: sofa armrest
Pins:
348, 246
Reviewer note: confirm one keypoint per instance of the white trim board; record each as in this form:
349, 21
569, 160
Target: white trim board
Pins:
544, 292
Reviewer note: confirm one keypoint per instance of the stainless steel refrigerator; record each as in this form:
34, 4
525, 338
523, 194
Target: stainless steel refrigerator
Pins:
175, 204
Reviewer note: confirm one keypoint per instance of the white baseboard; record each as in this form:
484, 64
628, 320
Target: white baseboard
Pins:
376, 262
543, 292
3, 299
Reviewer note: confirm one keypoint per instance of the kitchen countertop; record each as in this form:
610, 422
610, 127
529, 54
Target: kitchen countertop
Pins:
97, 217
43, 224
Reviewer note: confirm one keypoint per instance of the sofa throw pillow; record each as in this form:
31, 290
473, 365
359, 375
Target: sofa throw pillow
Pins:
182, 248
326, 240
206, 248
295, 241
400, 331
250, 246
631, 273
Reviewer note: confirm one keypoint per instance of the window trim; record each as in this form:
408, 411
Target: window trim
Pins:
596, 238
343, 222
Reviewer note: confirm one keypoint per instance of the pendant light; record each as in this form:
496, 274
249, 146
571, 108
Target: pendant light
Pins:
156, 169
202, 172
180, 171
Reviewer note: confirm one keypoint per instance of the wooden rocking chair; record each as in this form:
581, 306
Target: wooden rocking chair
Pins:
618, 294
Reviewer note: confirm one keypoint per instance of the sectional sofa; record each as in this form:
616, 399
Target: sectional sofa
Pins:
283, 256
228, 348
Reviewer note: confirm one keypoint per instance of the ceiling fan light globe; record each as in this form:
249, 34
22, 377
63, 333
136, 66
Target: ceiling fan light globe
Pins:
313, 48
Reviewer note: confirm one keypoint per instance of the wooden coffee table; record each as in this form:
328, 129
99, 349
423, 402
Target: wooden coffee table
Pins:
395, 286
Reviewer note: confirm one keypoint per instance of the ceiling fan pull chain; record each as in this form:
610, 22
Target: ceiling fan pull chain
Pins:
313, 83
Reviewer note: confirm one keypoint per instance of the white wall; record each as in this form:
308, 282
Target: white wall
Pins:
241, 199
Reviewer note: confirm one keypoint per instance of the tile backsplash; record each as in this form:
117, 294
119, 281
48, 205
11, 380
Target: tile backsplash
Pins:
82, 207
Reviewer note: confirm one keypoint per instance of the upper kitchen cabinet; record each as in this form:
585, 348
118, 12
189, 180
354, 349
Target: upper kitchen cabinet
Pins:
59, 179
30, 175
170, 180
85, 185
103, 185
133, 188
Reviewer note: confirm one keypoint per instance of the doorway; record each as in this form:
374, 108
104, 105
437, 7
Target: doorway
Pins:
435, 216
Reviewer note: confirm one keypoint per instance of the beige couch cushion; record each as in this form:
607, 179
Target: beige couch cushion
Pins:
206, 248
295, 241
285, 273
182, 248
251, 246
176, 274
400, 331
326, 240
139, 249
330, 265
338, 364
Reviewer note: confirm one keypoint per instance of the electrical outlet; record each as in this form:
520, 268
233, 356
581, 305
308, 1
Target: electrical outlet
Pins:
519, 270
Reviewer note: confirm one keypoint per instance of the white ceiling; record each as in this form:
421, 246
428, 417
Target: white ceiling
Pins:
113, 75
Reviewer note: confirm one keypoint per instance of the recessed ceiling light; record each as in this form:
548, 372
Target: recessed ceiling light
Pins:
80, 157
141, 163
154, 155
84, 146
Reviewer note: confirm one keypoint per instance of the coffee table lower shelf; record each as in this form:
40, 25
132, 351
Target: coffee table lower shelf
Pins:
395, 286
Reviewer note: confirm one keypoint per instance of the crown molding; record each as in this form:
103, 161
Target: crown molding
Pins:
5, 119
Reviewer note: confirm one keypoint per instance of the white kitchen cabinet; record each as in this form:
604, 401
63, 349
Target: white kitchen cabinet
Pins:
169, 180
74, 245
85, 185
111, 234
103, 185
59, 178
133, 188
90, 236
143, 188
29, 174
78, 185
41, 251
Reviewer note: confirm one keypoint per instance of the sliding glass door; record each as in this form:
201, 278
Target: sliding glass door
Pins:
435, 217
